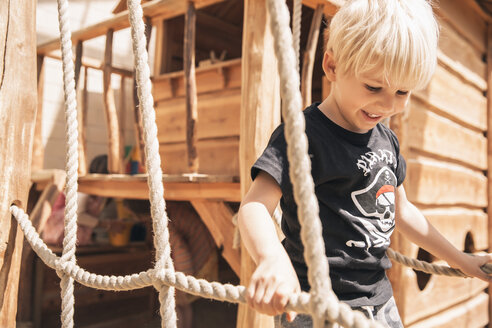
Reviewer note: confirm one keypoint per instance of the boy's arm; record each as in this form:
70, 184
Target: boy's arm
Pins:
274, 279
413, 225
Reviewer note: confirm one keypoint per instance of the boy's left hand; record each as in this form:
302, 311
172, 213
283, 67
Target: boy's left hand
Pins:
471, 265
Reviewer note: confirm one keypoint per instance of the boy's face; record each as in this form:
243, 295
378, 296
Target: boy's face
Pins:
359, 103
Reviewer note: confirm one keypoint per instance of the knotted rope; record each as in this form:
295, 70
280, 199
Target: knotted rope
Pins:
153, 162
71, 163
321, 303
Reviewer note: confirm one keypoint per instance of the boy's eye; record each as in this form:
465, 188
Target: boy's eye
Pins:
372, 89
402, 93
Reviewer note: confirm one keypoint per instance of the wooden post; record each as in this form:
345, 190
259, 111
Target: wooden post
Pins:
190, 82
309, 54
17, 114
38, 147
139, 140
260, 114
114, 142
82, 108
489, 145
82, 118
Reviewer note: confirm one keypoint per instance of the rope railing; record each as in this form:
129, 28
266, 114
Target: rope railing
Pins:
321, 302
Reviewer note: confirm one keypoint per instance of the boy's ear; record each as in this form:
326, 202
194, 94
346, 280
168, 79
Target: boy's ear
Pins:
329, 66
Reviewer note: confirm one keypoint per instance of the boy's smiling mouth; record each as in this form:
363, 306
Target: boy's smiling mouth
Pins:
371, 116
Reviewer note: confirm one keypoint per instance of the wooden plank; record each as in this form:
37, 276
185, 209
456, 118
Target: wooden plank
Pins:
456, 222
219, 117
331, 6
440, 293
190, 82
489, 144
217, 216
438, 135
164, 9
468, 106
39, 216
458, 49
184, 191
309, 55
473, 313
38, 147
260, 114
461, 71
112, 125
437, 183
82, 112
215, 77
466, 21
217, 157
18, 114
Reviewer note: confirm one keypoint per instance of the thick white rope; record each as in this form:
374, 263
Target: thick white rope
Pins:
71, 164
153, 162
322, 296
296, 31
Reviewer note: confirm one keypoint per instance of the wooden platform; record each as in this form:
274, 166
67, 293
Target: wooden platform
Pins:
176, 187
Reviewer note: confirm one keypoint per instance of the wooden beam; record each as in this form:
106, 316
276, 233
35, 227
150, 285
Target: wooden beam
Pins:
39, 216
114, 142
489, 145
190, 82
217, 216
177, 187
137, 115
260, 114
82, 118
164, 9
17, 114
38, 147
309, 54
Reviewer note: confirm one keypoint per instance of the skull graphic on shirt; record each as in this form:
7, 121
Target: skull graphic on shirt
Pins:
376, 203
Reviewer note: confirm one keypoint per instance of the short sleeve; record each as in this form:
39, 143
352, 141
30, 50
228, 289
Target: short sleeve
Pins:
401, 164
273, 160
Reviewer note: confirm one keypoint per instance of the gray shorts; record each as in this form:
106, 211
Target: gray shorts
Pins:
386, 314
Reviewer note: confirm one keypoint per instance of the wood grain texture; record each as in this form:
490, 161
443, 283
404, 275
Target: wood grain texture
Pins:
114, 141
438, 183
489, 145
472, 313
217, 216
218, 111
260, 114
309, 55
163, 9
443, 137
466, 105
17, 116
190, 83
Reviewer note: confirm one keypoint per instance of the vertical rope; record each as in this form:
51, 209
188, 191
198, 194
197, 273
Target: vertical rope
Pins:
296, 31
300, 167
71, 163
153, 163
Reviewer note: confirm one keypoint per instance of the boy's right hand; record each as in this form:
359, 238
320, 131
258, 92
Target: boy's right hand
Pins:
272, 284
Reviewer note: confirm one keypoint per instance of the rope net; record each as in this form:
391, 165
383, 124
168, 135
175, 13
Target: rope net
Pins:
321, 303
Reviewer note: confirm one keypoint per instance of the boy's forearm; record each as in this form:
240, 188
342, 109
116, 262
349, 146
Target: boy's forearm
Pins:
258, 232
414, 226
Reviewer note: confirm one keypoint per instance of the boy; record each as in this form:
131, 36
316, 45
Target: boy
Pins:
377, 52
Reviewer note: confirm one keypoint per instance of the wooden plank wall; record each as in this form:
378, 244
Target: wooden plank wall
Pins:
444, 142
219, 103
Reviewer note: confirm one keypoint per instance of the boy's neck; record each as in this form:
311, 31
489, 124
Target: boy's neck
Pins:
329, 107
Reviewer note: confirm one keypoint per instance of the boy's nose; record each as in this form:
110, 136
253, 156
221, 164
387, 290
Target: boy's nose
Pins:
387, 104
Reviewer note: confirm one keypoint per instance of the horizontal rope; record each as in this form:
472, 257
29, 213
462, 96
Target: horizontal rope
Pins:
299, 303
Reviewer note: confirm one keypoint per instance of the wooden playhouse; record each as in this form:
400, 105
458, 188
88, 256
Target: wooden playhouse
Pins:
208, 148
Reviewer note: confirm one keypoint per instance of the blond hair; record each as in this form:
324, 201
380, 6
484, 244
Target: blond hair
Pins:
398, 37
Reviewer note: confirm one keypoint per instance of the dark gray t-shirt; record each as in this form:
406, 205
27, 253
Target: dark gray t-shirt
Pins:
355, 177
